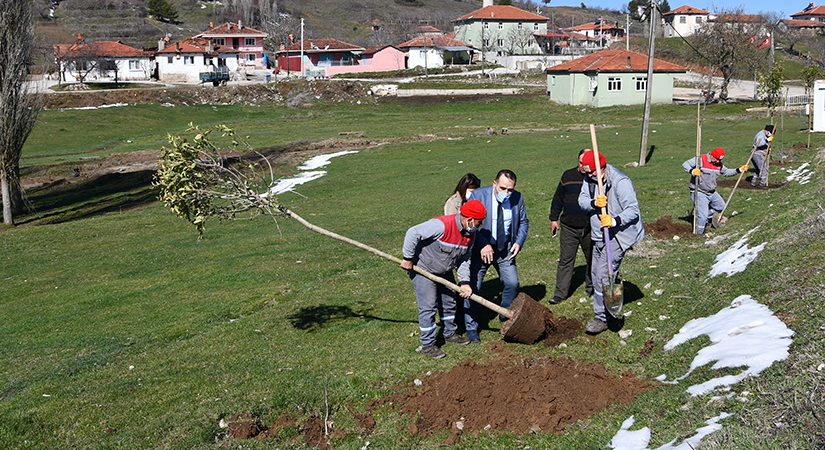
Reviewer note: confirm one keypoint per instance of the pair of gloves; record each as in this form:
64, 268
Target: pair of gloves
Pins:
606, 219
696, 172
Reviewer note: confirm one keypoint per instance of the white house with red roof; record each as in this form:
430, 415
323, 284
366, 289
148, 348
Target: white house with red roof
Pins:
102, 61
811, 12
249, 42
436, 50
186, 60
500, 30
684, 20
610, 77
604, 32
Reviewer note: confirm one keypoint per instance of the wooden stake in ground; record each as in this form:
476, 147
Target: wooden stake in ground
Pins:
698, 157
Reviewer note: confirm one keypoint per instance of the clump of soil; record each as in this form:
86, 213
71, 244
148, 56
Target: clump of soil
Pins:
540, 395
559, 329
665, 228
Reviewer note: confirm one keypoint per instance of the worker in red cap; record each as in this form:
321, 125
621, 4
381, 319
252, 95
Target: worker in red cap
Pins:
438, 246
709, 204
623, 220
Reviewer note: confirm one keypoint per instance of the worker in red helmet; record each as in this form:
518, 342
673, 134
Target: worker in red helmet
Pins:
438, 246
623, 221
709, 204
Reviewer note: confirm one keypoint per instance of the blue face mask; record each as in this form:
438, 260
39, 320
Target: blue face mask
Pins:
470, 230
502, 196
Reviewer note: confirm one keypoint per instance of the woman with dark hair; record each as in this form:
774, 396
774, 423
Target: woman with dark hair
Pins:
465, 187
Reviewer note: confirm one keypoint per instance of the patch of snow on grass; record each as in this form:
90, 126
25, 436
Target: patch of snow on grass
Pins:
289, 184
803, 174
736, 258
745, 334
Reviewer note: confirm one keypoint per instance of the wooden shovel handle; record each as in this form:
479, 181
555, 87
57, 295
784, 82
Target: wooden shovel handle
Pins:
474, 297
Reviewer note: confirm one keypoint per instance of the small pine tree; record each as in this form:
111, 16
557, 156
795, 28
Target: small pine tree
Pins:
162, 10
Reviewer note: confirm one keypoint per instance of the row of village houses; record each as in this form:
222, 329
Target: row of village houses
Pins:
496, 30
599, 78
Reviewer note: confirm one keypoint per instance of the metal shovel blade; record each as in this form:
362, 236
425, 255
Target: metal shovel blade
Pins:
613, 297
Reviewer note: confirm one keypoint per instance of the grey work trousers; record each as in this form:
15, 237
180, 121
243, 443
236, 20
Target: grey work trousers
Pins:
600, 273
433, 297
760, 175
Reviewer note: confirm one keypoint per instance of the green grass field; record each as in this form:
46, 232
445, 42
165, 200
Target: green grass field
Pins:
121, 330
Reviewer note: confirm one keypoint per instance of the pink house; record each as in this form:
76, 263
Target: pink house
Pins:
377, 59
249, 42
328, 57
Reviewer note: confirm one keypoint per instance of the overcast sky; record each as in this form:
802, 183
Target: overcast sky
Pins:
751, 7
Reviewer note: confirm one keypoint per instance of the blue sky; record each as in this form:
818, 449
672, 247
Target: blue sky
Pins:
750, 7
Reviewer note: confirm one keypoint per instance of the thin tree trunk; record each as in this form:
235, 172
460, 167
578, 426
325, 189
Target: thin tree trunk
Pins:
8, 217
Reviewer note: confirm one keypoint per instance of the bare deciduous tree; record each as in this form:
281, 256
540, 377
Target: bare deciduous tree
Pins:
726, 44
18, 107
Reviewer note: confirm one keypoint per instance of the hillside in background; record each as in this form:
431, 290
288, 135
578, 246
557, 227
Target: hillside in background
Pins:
362, 22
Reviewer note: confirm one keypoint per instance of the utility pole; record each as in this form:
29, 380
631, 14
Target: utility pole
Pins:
426, 50
627, 32
649, 87
483, 46
302, 46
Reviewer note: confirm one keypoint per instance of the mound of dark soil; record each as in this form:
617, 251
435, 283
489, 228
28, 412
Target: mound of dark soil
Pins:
540, 395
665, 228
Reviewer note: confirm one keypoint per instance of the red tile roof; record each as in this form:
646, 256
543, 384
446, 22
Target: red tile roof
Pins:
614, 61
815, 11
685, 9
230, 29
97, 49
433, 40
503, 12
594, 26
797, 23
426, 29
377, 49
196, 45
319, 45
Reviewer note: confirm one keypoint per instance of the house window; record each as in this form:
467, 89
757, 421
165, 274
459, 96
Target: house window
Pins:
423, 53
170, 60
249, 57
219, 41
501, 25
486, 42
188, 60
249, 41
553, 80
698, 20
520, 26
614, 84
641, 83
500, 42
682, 19
134, 65
594, 83
221, 62
536, 26
207, 60
486, 25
